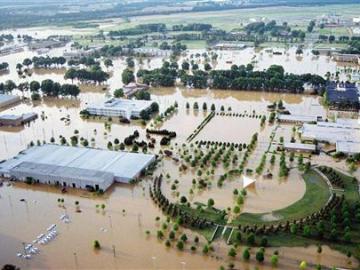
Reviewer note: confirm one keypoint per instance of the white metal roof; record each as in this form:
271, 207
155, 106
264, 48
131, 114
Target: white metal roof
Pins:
300, 146
123, 165
348, 147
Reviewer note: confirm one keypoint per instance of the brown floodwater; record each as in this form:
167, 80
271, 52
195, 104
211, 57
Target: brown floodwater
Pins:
125, 232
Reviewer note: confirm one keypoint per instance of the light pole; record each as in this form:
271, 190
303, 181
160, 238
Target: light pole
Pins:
75, 259
110, 220
153, 259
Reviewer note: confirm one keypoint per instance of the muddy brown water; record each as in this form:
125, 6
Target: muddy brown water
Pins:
125, 232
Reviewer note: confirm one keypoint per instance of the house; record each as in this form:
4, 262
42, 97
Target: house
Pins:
132, 88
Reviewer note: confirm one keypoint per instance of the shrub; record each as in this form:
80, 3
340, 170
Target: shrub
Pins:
274, 260
97, 244
246, 254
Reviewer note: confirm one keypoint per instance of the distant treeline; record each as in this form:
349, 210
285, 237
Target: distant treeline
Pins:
274, 79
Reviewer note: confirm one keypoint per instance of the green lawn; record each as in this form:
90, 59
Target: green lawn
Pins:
194, 44
351, 188
207, 213
316, 195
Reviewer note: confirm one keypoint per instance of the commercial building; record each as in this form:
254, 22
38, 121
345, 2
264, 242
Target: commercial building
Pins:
300, 147
343, 97
348, 148
118, 107
75, 167
298, 119
132, 88
344, 133
17, 120
6, 100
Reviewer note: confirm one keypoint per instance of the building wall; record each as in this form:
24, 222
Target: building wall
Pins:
60, 180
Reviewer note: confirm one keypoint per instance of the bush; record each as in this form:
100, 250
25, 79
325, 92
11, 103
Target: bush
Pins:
250, 239
260, 256
274, 260
97, 244
232, 253
246, 254
180, 245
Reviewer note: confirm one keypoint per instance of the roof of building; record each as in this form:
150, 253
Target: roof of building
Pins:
15, 117
300, 146
343, 92
123, 165
6, 98
297, 118
329, 133
123, 104
66, 172
348, 147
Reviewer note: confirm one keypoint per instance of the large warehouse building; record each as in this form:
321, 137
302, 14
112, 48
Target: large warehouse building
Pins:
344, 133
75, 167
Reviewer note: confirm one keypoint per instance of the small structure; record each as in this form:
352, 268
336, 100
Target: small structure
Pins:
6, 100
132, 88
119, 107
348, 58
300, 147
229, 46
348, 148
75, 167
17, 120
153, 52
46, 43
298, 119
77, 54
343, 96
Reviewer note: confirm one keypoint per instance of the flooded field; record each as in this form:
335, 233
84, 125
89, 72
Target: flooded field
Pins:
121, 227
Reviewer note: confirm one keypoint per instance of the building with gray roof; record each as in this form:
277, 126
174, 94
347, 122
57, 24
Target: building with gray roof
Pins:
6, 100
76, 167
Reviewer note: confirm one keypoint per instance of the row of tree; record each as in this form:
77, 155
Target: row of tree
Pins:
92, 75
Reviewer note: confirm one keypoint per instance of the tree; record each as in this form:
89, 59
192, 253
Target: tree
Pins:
27, 62
118, 93
232, 252
10, 267
210, 203
97, 244
180, 245
185, 65
264, 242
212, 107
274, 260
183, 200
246, 254
9, 86
108, 63
250, 239
34, 86
207, 67
127, 76
260, 256
303, 265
